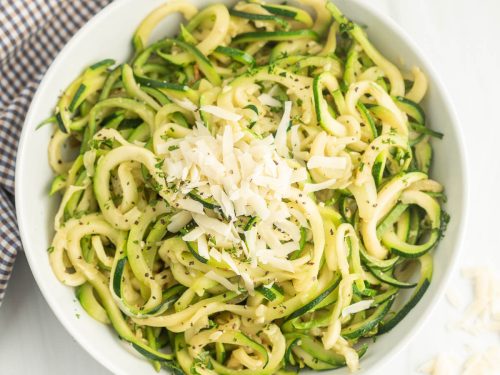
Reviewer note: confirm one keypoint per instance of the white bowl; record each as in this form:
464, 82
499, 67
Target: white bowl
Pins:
108, 35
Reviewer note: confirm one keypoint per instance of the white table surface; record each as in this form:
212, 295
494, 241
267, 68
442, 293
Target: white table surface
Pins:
462, 38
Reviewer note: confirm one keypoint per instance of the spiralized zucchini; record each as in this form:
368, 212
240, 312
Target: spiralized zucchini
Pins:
250, 195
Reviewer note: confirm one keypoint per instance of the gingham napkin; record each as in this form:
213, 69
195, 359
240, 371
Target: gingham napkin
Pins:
32, 32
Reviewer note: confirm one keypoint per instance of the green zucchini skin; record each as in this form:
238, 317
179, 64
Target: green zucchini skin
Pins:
193, 249
391, 218
423, 156
411, 108
313, 353
372, 262
58, 183
271, 294
388, 279
401, 247
237, 55
280, 11
203, 62
290, 12
316, 301
425, 130
316, 350
368, 119
252, 16
209, 203
85, 295
423, 285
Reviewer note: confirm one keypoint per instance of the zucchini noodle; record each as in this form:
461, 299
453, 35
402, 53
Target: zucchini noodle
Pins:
250, 195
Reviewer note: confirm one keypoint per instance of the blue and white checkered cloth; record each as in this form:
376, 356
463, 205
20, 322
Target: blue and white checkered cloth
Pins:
32, 32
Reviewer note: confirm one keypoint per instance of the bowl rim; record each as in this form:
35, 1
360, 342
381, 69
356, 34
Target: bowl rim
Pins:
370, 11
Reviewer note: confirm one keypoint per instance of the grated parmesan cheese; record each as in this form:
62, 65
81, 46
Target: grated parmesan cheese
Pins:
454, 298
178, 221
480, 316
203, 246
214, 336
244, 176
268, 100
441, 365
230, 262
484, 363
193, 235
190, 205
214, 253
280, 140
186, 104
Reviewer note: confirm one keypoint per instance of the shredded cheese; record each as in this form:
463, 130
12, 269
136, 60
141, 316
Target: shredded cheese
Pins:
243, 176
484, 363
357, 307
441, 365
220, 113
280, 141
268, 100
221, 280
454, 298
481, 315
178, 221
